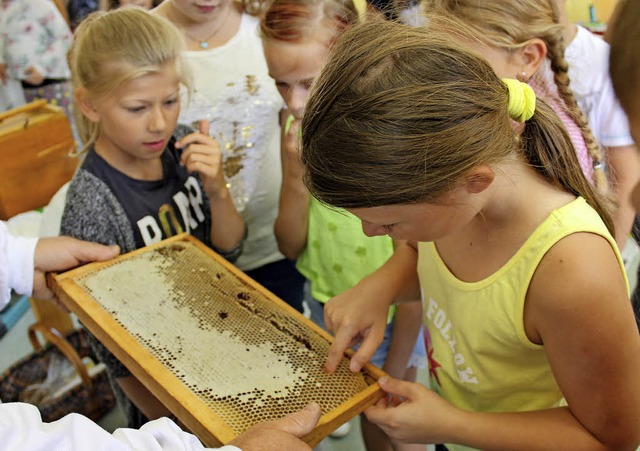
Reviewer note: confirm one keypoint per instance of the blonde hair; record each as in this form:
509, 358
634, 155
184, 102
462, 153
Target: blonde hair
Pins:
295, 21
624, 61
399, 115
509, 24
114, 47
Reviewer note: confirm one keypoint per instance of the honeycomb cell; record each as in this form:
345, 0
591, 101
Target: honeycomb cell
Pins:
237, 350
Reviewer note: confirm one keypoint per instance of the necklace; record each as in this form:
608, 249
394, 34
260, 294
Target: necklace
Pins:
203, 43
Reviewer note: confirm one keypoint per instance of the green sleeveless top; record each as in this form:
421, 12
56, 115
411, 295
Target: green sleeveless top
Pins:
338, 253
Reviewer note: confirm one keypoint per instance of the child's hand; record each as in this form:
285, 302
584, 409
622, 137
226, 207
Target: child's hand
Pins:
355, 317
291, 146
34, 77
411, 413
202, 155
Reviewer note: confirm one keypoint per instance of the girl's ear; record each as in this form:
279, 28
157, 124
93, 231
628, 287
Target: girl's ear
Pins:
530, 56
478, 179
86, 105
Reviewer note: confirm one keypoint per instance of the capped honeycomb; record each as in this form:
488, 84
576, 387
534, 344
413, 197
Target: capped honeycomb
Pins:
248, 358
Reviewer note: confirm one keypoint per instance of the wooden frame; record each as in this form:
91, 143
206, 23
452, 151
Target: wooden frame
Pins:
169, 389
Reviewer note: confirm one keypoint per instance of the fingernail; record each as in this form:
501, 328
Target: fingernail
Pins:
354, 367
311, 407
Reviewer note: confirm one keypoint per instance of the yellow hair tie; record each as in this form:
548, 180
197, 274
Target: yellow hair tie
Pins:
522, 100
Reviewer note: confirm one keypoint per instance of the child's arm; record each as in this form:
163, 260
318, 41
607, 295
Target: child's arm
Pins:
624, 172
293, 214
202, 155
360, 313
93, 213
578, 308
407, 322
406, 326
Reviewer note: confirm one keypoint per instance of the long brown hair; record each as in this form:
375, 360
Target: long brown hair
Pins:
509, 24
400, 114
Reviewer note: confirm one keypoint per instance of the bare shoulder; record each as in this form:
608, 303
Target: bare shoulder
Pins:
578, 282
578, 308
575, 272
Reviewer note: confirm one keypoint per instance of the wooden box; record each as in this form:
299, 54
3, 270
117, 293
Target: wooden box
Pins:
37, 151
218, 350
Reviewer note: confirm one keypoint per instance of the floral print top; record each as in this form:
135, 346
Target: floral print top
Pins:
33, 33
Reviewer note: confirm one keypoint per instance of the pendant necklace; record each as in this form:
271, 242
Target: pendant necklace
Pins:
203, 43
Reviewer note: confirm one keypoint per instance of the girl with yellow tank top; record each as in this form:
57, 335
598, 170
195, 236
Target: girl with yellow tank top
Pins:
534, 343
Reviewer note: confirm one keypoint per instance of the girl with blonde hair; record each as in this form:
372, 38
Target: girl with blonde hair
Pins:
144, 178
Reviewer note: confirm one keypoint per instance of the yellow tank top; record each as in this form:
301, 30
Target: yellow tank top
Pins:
480, 357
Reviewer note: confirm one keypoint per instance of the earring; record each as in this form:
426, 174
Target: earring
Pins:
522, 77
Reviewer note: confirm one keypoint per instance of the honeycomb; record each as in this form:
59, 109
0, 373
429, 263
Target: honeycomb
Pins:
248, 358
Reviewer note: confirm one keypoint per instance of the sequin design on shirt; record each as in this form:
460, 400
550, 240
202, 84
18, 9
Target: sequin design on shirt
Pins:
240, 122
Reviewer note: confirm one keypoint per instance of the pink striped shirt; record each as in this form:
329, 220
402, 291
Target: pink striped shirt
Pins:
545, 88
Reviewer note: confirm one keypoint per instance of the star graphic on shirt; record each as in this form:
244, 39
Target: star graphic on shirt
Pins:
433, 365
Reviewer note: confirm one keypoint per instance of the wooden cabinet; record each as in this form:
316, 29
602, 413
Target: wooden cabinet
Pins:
37, 155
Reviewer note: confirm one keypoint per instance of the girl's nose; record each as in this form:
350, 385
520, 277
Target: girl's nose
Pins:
158, 122
297, 99
372, 229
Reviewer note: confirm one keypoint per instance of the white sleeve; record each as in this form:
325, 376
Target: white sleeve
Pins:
588, 58
612, 119
16, 264
21, 428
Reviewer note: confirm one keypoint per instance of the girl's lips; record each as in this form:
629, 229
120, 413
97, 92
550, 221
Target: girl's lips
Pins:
155, 145
206, 8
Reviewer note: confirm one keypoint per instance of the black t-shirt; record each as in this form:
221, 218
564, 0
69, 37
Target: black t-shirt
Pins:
162, 208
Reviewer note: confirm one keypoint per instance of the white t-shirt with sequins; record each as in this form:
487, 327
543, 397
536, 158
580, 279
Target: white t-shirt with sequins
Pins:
233, 90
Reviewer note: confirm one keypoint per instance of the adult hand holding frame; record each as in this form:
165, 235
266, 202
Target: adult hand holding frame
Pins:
219, 350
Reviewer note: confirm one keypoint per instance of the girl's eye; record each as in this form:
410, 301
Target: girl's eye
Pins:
171, 101
135, 109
